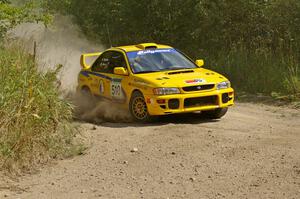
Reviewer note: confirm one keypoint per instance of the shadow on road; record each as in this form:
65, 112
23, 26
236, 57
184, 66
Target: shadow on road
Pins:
105, 113
190, 118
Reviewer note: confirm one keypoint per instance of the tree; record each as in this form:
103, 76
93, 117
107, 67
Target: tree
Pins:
10, 16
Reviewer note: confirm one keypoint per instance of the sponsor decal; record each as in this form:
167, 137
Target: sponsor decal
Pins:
85, 73
101, 87
144, 52
88, 73
195, 81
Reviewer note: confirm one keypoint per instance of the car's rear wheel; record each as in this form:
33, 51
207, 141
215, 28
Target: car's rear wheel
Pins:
138, 108
86, 98
215, 114
85, 91
88, 95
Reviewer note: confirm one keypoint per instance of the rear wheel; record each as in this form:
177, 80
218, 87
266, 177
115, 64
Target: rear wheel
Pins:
215, 114
138, 108
85, 91
86, 99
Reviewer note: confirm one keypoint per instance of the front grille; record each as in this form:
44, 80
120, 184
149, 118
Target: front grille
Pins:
198, 88
201, 101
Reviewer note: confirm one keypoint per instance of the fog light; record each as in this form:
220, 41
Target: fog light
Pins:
173, 104
225, 98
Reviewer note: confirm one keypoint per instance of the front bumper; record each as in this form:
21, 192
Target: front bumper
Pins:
189, 102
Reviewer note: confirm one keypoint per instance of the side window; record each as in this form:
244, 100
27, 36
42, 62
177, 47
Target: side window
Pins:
102, 63
108, 61
117, 60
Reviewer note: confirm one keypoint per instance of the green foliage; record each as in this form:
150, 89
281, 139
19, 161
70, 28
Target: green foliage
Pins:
258, 72
254, 38
10, 15
55, 6
292, 80
34, 119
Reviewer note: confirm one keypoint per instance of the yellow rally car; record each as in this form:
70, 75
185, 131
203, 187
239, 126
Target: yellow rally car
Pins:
151, 79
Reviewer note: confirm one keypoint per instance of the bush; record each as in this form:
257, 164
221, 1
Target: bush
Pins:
11, 16
259, 72
255, 42
34, 119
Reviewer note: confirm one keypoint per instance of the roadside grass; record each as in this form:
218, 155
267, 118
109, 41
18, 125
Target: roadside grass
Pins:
34, 120
261, 73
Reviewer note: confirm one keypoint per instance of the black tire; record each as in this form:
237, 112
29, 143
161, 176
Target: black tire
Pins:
215, 114
138, 108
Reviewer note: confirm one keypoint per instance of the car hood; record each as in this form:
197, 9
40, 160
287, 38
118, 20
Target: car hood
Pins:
181, 78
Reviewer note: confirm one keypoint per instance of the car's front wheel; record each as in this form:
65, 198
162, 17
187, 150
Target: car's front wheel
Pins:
138, 108
215, 114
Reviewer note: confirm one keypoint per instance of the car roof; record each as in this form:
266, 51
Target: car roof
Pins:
142, 46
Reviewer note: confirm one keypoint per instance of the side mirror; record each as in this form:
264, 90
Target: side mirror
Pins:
120, 71
200, 62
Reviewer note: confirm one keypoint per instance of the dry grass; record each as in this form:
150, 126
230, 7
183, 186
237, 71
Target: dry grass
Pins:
34, 119
260, 73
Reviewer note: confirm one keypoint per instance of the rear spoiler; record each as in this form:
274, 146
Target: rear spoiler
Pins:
83, 58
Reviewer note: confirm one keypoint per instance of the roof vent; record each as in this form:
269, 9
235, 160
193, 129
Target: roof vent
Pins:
145, 46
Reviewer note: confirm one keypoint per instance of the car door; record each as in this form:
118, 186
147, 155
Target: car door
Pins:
105, 82
100, 83
118, 82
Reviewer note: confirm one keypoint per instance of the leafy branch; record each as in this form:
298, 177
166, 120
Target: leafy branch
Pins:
11, 16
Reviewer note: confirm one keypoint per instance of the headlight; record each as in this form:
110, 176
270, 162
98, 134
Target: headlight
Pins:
223, 85
166, 91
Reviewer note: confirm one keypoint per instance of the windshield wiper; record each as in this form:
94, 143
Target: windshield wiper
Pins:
147, 71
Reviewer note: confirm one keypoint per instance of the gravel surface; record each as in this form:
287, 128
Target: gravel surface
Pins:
254, 152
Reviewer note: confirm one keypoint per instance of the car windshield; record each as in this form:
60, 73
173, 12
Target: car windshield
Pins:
155, 60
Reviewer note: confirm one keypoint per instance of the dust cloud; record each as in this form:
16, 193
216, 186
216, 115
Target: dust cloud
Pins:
62, 44
94, 110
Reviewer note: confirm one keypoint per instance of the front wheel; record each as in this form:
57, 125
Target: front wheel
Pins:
138, 108
215, 114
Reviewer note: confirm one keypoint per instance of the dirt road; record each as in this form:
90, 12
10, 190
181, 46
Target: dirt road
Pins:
254, 152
